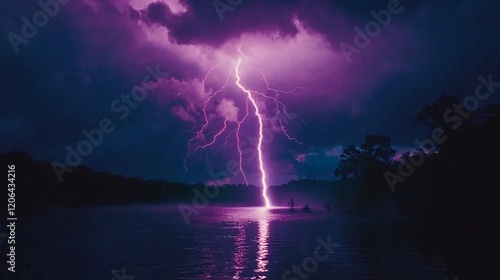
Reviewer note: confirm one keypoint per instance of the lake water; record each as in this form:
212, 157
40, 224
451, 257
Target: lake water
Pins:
154, 242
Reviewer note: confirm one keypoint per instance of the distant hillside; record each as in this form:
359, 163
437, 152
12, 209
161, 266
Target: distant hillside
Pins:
38, 189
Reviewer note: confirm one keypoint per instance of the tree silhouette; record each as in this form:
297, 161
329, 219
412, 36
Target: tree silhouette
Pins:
373, 157
367, 165
432, 115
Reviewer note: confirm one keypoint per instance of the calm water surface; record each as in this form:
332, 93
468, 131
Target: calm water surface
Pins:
154, 242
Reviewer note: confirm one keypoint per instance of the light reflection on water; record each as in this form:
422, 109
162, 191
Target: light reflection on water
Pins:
153, 242
243, 217
262, 245
239, 258
241, 251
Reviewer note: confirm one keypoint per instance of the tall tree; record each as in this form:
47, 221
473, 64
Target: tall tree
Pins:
367, 164
367, 161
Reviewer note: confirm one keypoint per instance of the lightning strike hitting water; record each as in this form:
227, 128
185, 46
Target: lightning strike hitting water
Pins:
261, 136
250, 100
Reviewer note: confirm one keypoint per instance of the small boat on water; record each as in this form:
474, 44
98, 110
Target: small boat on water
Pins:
306, 208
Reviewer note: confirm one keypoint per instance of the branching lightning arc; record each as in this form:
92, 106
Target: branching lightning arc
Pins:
251, 106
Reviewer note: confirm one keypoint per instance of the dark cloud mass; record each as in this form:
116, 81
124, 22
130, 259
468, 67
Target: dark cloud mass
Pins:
201, 24
66, 77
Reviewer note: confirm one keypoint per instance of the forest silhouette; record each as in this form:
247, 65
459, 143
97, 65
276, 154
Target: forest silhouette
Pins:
452, 197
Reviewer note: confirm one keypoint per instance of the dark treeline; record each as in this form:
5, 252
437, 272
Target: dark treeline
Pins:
450, 186
38, 189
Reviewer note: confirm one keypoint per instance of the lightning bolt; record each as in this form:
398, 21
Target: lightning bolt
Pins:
215, 137
199, 134
267, 93
263, 179
240, 153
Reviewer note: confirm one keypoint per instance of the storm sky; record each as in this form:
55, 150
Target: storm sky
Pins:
90, 53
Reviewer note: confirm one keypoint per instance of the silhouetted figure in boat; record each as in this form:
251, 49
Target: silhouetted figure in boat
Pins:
291, 203
306, 208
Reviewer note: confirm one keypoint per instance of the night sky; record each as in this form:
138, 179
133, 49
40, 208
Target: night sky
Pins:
67, 77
